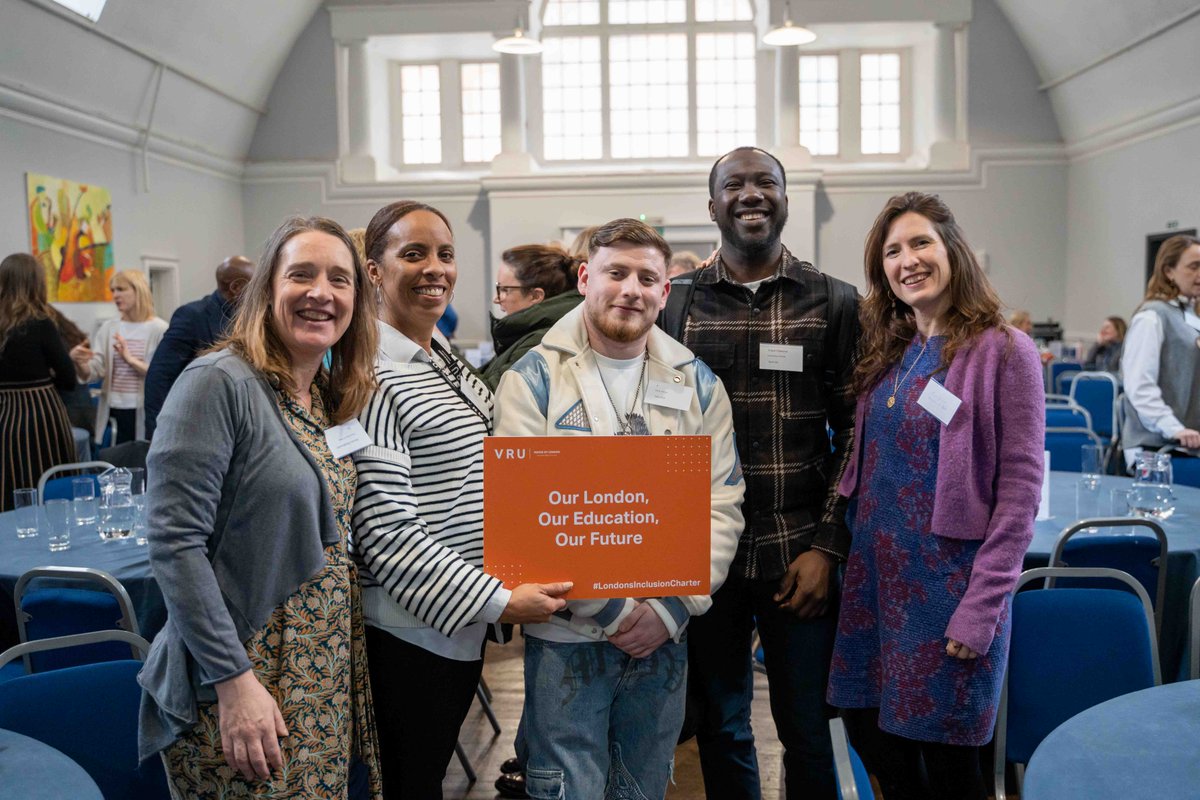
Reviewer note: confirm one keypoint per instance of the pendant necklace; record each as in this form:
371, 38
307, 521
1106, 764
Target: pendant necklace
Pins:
632, 424
891, 401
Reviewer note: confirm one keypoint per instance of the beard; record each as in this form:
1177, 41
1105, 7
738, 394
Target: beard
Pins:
753, 248
618, 330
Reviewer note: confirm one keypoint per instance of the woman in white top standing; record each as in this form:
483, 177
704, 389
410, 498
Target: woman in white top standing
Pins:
1161, 362
121, 356
418, 515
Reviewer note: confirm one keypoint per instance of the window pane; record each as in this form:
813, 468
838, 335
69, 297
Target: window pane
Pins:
726, 115
572, 12
421, 115
648, 94
715, 10
819, 104
641, 12
880, 103
572, 63
481, 111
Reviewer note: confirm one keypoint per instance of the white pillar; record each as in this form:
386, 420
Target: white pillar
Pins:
356, 163
787, 110
514, 154
949, 149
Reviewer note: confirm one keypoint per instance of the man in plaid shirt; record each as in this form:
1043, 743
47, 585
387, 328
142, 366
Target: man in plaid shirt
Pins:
781, 336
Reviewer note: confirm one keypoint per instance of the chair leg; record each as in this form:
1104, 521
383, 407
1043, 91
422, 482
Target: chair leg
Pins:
487, 690
484, 695
466, 762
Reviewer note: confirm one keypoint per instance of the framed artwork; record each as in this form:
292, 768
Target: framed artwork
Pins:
71, 234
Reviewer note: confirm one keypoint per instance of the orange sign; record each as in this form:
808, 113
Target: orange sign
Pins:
621, 516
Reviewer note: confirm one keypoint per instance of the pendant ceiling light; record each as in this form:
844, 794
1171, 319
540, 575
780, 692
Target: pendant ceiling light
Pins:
518, 44
788, 34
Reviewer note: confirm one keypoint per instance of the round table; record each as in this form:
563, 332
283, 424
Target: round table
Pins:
1143, 744
1183, 560
32, 770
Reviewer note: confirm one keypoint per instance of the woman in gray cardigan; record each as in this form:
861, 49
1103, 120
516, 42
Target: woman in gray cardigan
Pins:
261, 666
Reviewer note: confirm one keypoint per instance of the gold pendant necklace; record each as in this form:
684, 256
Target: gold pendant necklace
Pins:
891, 401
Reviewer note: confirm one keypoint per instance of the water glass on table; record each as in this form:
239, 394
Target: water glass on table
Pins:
58, 517
137, 487
83, 493
1151, 494
1087, 488
25, 502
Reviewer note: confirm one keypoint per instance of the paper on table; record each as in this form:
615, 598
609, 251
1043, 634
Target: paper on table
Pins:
1044, 506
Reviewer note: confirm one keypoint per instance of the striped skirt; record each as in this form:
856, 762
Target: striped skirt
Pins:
35, 435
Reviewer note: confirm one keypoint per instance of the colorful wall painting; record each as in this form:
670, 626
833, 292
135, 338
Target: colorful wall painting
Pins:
70, 233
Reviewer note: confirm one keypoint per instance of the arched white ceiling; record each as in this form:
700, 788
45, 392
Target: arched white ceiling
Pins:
223, 57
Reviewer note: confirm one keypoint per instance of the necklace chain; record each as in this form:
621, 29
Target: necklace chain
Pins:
891, 401
630, 421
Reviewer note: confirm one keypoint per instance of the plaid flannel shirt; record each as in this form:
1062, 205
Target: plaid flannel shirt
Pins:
780, 417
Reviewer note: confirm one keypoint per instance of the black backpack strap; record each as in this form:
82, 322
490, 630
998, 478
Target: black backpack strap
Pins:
673, 318
843, 319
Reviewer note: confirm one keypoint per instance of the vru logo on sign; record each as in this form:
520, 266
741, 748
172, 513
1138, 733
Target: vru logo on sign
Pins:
509, 452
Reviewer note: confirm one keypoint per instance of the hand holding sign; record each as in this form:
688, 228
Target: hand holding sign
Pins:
534, 602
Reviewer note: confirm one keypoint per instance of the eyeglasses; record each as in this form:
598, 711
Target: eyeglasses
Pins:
500, 290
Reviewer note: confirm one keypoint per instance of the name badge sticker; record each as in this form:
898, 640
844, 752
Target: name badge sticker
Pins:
669, 395
939, 401
347, 438
781, 357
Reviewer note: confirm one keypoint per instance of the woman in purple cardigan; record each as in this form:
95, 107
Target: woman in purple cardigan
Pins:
944, 487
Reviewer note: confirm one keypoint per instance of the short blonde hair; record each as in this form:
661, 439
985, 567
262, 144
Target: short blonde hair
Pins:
143, 300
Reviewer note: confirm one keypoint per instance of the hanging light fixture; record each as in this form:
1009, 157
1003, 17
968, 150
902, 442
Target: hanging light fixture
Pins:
518, 44
788, 34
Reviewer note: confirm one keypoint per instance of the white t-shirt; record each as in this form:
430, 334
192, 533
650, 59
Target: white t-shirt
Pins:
126, 383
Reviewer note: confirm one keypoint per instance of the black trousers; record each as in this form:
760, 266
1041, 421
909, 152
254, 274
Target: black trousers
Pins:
126, 419
421, 700
910, 770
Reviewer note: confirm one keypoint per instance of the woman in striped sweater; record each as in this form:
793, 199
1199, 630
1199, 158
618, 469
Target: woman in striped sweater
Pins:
418, 517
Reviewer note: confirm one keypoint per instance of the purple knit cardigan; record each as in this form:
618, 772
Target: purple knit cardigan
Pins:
989, 472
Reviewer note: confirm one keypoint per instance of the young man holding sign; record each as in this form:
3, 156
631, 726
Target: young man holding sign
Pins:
604, 682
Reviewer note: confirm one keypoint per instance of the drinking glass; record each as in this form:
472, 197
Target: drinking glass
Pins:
25, 501
1119, 502
1151, 494
137, 487
117, 511
83, 491
1087, 498
1092, 461
58, 515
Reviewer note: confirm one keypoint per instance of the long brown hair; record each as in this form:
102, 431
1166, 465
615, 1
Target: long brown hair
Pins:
22, 293
351, 378
1160, 286
888, 325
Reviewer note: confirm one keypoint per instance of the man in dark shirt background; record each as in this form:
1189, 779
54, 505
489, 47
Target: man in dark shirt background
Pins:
781, 336
194, 327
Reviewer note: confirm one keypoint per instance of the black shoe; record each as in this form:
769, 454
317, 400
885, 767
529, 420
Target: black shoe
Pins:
512, 765
511, 784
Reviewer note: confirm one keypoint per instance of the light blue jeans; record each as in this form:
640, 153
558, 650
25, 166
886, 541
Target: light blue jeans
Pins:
599, 723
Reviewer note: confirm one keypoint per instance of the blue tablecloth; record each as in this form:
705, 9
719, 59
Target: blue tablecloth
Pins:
1140, 745
1183, 562
32, 770
124, 559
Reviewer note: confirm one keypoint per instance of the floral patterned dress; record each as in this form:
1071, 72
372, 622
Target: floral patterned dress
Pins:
904, 582
311, 656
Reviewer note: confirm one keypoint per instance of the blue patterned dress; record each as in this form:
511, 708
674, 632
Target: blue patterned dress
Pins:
903, 582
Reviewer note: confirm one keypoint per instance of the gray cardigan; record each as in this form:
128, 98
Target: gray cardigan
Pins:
238, 518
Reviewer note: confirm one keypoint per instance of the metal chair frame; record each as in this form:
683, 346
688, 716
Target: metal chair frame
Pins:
1044, 574
140, 646
1160, 592
128, 621
1104, 377
1086, 432
75, 466
843, 765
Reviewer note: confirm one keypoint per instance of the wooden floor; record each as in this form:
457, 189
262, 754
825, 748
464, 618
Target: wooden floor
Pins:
503, 672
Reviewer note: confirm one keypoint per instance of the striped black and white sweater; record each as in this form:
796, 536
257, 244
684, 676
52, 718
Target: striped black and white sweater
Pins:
418, 514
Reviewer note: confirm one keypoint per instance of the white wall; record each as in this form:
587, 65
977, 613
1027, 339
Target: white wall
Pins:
191, 215
1116, 199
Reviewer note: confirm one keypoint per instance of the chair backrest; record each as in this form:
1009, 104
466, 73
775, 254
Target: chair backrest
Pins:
1056, 371
853, 781
1194, 638
1070, 650
1142, 555
1097, 392
89, 713
1185, 466
1065, 446
1068, 415
51, 488
57, 610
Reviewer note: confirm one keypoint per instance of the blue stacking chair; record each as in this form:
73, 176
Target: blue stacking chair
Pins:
89, 713
1141, 555
52, 488
1055, 372
1097, 393
853, 781
1065, 446
1071, 649
1185, 466
48, 609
